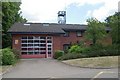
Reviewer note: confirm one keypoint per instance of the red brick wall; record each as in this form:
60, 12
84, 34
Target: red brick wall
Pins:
57, 43
58, 40
73, 38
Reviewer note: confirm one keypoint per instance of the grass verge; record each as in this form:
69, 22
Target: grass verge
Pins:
96, 62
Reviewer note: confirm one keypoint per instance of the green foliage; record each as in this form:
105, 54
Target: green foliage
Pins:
0, 56
95, 30
70, 56
75, 49
93, 51
8, 57
10, 15
16, 53
58, 54
100, 50
81, 43
114, 22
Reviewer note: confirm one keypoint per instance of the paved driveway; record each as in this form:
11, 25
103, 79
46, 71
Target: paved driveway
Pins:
50, 68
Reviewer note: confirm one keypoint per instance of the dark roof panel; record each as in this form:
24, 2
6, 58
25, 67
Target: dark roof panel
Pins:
44, 27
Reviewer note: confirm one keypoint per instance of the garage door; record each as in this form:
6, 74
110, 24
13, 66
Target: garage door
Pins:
36, 46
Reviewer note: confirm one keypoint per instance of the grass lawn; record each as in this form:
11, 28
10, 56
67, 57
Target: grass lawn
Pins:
94, 62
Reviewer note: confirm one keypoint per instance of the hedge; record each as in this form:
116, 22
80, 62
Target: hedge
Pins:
8, 57
58, 54
92, 51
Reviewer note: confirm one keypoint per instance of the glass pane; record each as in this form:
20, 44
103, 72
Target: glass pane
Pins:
49, 48
48, 37
42, 41
42, 45
30, 44
36, 41
42, 48
24, 48
36, 38
30, 37
30, 52
24, 41
36, 53
30, 41
24, 45
79, 34
49, 52
42, 52
49, 41
42, 37
24, 37
24, 53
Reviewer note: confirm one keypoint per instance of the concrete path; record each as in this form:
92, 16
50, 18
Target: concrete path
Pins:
50, 68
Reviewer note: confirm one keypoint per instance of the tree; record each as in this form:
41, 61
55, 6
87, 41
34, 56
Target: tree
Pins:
0, 25
114, 22
10, 15
95, 30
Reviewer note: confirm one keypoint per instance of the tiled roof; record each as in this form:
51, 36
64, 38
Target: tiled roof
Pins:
44, 28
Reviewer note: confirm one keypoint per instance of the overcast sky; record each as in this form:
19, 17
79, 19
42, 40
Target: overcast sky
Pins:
77, 11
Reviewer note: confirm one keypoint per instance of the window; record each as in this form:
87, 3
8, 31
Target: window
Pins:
49, 41
66, 47
43, 45
107, 31
30, 41
36, 41
30, 37
42, 37
66, 34
42, 41
49, 45
49, 52
24, 53
24, 37
36, 38
79, 34
24, 41
49, 48
24, 45
48, 37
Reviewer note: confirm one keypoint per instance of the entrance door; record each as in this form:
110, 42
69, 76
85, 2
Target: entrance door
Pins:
49, 47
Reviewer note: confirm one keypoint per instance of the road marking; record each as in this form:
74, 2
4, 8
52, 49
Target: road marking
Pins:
97, 75
101, 73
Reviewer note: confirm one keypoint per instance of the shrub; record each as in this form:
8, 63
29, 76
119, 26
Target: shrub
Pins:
16, 53
81, 43
58, 54
99, 50
91, 51
76, 49
8, 58
70, 56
